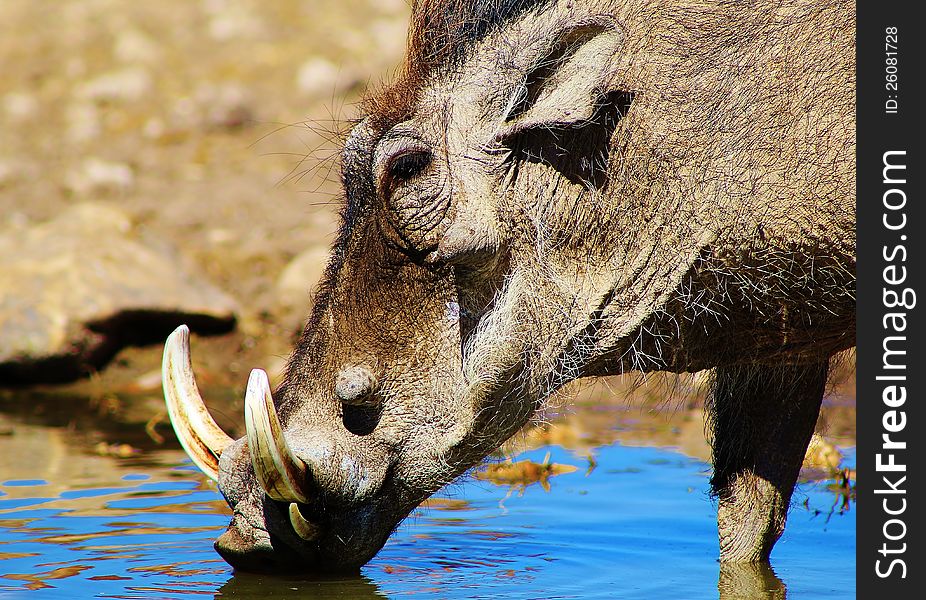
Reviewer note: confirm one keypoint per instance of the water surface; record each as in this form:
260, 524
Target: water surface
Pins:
82, 520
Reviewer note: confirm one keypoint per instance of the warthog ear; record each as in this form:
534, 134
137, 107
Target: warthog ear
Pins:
571, 80
565, 112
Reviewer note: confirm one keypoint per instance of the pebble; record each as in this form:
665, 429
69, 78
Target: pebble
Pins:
124, 85
302, 274
20, 106
230, 22
96, 175
14, 171
220, 236
16, 220
133, 46
318, 77
83, 122
293, 291
8, 173
154, 128
225, 106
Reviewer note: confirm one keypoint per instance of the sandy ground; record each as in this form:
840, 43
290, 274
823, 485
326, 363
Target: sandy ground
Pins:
212, 123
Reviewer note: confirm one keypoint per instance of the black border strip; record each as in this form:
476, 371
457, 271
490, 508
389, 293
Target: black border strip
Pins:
891, 270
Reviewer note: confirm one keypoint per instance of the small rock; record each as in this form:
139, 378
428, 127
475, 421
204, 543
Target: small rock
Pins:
17, 220
133, 46
293, 290
229, 22
84, 122
20, 106
14, 171
184, 114
96, 175
126, 85
219, 236
154, 129
225, 106
300, 276
75, 67
317, 77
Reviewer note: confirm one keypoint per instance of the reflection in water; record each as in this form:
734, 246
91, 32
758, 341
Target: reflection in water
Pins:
592, 517
248, 586
750, 582
518, 475
38, 581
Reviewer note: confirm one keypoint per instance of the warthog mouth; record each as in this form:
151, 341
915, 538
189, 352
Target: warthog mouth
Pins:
281, 473
308, 506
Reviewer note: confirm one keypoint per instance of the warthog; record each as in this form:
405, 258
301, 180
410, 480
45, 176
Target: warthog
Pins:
551, 190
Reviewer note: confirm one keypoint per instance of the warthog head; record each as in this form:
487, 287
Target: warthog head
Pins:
550, 190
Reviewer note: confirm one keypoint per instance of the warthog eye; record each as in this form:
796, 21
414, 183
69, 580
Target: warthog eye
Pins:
412, 185
413, 188
404, 166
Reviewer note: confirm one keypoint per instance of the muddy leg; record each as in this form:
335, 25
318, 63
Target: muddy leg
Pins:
762, 418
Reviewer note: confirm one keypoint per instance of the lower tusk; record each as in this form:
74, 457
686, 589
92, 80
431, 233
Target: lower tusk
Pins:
303, 528
202, 439
278, 469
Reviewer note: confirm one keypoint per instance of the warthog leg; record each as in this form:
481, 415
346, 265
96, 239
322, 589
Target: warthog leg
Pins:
762, 418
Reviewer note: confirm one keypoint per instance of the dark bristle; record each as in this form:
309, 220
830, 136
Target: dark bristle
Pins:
441, 35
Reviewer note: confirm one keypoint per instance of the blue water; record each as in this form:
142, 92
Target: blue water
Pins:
639, 525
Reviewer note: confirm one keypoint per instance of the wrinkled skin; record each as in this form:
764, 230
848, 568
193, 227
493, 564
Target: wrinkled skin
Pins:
586, 188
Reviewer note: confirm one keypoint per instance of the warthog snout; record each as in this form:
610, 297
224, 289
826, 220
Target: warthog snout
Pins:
356, 385
278, 474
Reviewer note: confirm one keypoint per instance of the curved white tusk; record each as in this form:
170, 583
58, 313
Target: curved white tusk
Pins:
202, 439
303, 528
278, 469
